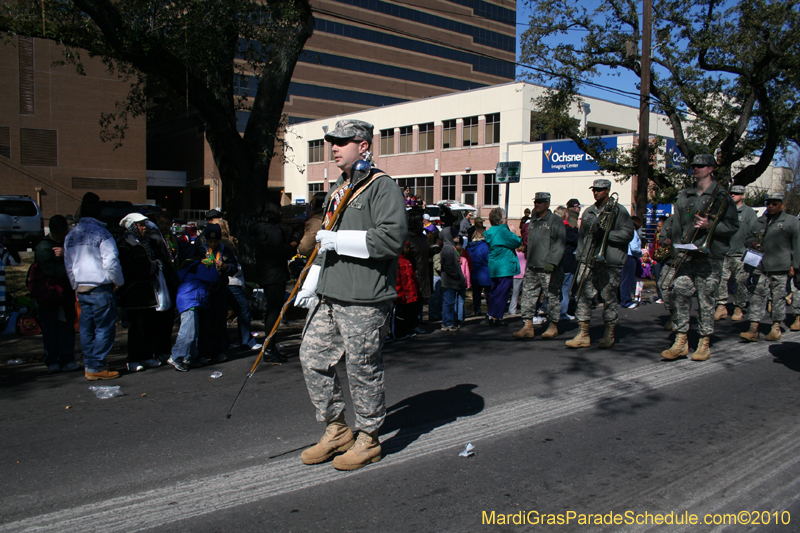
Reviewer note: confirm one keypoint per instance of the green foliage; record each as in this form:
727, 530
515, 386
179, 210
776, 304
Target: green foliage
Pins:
726, 75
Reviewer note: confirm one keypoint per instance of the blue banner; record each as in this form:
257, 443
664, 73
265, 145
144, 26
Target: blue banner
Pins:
565, 156
675, 157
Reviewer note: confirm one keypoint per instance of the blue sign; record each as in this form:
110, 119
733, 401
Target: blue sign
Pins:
565, 156
675, 157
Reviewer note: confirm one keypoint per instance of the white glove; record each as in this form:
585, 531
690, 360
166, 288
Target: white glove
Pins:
305, 298
347, 242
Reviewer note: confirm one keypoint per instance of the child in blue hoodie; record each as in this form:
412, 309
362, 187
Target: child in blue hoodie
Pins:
195, 277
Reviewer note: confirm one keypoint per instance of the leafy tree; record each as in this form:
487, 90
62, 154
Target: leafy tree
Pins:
192, 48
724, 74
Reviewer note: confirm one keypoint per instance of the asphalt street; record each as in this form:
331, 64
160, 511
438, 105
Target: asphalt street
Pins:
597, 433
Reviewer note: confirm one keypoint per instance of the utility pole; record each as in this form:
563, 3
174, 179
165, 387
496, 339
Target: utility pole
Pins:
644, 114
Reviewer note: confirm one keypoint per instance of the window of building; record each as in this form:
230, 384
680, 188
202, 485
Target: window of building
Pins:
316, 151
470, 130
406, 139
491, 190
604, 131
314, 188
492, 133
387, 142
38, 147
26, 77
592, 131
426, 137
448, 187
448, 134
469, 188
537, 132
5, 141
422, 186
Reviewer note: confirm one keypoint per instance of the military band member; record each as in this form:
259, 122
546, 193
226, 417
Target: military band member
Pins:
777, 235
543, 275
603, 277
666, 289
354, 280
700, 273
732, 265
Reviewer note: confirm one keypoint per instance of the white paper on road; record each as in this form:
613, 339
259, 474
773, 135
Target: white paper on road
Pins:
752, 258
690, 246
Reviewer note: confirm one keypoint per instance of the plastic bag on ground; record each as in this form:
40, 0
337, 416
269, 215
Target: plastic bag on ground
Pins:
105, 392
469, 451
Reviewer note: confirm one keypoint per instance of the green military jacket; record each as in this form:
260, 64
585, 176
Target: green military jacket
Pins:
619, 237
688, 203
546, 240
380, 211
780, 243
747, 219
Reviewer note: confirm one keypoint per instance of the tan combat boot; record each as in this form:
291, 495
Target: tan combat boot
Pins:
738, 314
366, 450
703, 351
551, 332
526, 332
337, 438
751, 335
796, 324
775, 333
722, 312
669, 325
608, 337
582, 339
680, 347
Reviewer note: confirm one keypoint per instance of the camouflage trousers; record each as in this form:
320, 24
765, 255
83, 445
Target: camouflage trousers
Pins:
700, 274
608, 278
548, 284
334, 328
733, 266
762, 287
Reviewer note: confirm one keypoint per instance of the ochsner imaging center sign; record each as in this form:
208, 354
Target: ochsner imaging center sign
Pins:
565, 156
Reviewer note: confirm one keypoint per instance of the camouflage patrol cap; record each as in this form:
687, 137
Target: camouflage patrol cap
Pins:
704, 160
775, 196
737, 189
542, 196
601, 184
351, 129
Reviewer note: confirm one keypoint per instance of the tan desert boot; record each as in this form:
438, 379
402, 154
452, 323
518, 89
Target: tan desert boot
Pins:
526, 332
738, 314
775, 333
703, 351
582, 339
751, 335
104, 374
551, 332
669, 325
366, 450
796, 324
722, 312
337, 438
680, 347
608, 337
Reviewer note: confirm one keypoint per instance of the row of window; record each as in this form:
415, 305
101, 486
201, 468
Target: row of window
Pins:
490, 11
479, 35
37, 147
423, 186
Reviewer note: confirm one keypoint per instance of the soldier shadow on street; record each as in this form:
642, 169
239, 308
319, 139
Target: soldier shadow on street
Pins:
787, 354
424, 412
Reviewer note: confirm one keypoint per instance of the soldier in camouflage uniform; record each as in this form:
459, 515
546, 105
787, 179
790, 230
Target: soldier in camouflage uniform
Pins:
354, 280
732, 265
796, 304
777, 235
543, 275
607, 275
700, 273
665, 275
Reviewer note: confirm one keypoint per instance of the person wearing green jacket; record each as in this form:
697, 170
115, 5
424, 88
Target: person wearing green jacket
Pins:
349, 291
603, 277
733, 266
503, 264
543, 273
777, 235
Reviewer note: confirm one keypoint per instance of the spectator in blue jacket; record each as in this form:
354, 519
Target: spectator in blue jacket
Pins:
197, 274
479, 251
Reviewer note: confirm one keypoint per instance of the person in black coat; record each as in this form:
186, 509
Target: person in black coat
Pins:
569, 263
274, 246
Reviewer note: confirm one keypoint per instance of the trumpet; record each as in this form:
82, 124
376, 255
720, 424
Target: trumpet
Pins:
715, 211
592, 253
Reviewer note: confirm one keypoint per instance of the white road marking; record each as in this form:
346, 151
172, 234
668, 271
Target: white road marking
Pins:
154, 508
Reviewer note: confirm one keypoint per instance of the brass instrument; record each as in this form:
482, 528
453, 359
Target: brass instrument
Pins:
591, 254
662, 253
715, 211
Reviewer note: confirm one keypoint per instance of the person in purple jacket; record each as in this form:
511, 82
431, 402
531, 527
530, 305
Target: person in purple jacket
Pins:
195, 277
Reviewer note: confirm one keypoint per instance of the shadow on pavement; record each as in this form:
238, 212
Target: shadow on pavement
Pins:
788, 354
424, 412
